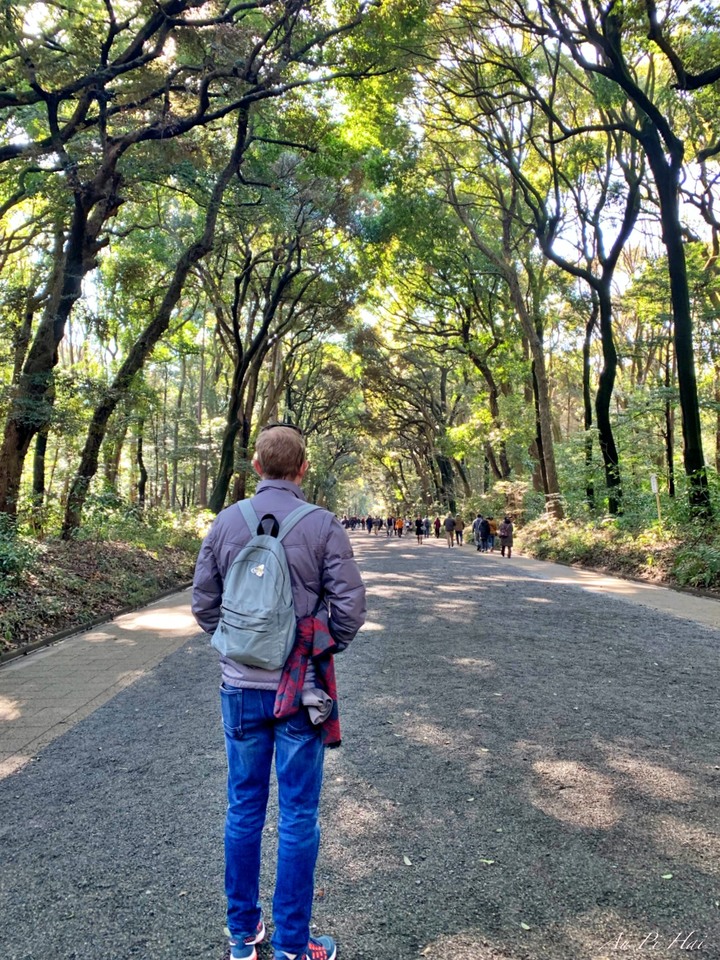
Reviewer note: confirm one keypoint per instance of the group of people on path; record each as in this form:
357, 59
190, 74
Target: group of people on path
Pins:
486, 530
393, 526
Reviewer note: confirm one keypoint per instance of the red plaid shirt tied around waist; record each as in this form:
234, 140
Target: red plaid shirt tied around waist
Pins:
312, 641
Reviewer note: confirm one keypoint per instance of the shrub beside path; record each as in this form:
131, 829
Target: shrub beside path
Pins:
530, 770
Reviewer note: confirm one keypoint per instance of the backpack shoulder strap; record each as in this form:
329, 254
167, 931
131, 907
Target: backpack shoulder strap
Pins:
249, 515
293, 518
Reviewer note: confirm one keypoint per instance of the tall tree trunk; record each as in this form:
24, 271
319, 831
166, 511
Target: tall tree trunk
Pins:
588, 408
38, 487
603, 399
243, 461
113, 448
543, 405
227, 445
490, 464
21, 340
204, 468
539, 437
176, 433
436, 482
717, 417
447, 480
142, 471
669, 422
501, 467
41, 443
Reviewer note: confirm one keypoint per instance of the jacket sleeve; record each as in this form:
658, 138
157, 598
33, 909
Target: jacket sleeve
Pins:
207, 587
343, 589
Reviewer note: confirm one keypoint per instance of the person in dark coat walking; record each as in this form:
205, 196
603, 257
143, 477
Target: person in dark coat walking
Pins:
506, 537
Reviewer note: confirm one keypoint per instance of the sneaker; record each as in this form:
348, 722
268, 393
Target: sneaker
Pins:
319, 948
244, 948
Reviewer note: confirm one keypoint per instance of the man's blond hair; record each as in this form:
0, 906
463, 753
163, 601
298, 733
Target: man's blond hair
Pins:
280, 453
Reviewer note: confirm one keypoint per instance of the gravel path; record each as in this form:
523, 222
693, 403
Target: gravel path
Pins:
530, 771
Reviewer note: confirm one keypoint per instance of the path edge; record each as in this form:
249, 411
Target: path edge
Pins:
28, 648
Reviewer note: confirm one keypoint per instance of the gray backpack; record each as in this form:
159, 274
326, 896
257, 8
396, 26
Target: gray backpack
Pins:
257, 618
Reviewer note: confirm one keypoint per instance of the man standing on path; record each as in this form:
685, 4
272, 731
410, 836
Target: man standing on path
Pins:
450, 530
326, 584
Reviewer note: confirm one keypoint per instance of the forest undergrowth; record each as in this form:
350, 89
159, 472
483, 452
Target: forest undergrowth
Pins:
682, 555
120, 562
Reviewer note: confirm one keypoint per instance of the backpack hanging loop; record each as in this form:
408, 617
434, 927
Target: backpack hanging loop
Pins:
274, 526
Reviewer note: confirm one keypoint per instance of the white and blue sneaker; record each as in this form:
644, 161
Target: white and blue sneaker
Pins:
243, 948
319, 948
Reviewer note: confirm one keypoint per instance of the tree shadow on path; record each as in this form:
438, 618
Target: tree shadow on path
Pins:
524, 766
545, 758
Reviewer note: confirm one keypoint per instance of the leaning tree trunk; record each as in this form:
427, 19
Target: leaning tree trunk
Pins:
467, 490
447, 480
500, 466
667, 175
546, 447
150, 336
29, 408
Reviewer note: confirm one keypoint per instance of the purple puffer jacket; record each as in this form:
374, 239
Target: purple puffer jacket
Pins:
320, 559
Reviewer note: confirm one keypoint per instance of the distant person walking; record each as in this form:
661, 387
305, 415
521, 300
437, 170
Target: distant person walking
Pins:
450, 530
476, 531
493, 533
399, 524
484, 534
437, 523
419, 529
506, 536
426, 526
459, 527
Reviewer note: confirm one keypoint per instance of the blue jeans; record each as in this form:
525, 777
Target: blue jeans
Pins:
252, 734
